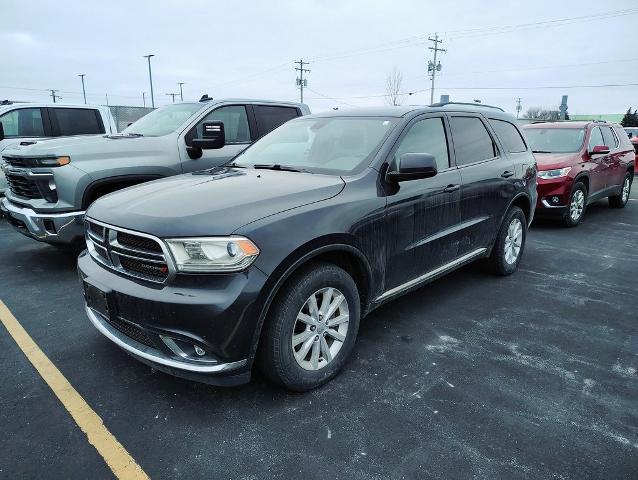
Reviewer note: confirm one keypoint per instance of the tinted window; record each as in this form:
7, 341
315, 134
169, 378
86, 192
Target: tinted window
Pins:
609, 138
24, 122
77, 121
269, 118
426, 136
472, 142
509, 135
596, 139
235, 123
164, 120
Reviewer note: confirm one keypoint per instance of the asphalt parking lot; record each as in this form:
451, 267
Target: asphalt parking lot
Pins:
473, 376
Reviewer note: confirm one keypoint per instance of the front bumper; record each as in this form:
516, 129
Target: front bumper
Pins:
161, 325
553, 196
64, 228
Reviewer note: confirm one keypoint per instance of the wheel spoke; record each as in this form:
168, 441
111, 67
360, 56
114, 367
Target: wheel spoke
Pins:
325, 300
334, 305
314, 356
302, 337
325, 350
339, 320
312, 305
336, 335
302, 317
303, 351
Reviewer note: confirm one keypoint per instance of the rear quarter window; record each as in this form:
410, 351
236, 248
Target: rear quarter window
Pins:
77, 121
509, 135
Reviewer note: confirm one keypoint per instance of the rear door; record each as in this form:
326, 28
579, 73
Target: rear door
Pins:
487, 177
75, 121
614, 173
269, 117
423, 215
239, 136
598, 163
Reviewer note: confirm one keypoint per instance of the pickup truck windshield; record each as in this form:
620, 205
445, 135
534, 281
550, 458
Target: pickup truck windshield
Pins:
163, 121
337, 145
555, 140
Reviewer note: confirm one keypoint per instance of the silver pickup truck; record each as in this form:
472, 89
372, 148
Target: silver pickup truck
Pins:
53, 181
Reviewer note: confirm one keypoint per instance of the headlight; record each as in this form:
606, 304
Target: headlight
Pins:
213, 254
53, 161
557, 173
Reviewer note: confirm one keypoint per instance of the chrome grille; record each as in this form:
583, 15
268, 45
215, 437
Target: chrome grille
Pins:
130, 253
22, 186
22, 162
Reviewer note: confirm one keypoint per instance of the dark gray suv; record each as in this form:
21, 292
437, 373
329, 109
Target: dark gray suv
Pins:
273, 259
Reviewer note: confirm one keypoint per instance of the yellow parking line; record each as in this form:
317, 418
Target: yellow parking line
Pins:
112, 451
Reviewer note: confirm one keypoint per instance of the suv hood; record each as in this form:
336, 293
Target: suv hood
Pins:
89, 147
215, 202
550, 161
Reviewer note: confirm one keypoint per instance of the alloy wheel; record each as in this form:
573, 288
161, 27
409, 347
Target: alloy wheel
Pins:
320, 329
513, 241
577, 205
625, 190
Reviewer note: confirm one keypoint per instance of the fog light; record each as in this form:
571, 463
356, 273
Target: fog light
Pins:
199, 351
555, 199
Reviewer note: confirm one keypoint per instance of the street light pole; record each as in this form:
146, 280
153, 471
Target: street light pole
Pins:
181, 93
150, 78
82, 75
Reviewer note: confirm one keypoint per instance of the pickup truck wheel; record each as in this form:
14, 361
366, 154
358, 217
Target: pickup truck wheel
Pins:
619, 201
576, 206
311, 328
510, 243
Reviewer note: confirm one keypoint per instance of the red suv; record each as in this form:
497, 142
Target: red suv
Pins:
579, 163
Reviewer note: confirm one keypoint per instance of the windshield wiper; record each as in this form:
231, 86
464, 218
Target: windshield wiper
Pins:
283, 168
540, 151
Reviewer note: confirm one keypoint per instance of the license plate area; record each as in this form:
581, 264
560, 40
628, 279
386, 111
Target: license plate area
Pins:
99, 299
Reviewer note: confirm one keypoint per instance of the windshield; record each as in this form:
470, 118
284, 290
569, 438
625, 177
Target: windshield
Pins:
334, 145
555, 140
632, 132
163, 121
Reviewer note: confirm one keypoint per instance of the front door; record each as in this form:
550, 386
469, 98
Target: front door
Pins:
238, 137
422, 214
598, 164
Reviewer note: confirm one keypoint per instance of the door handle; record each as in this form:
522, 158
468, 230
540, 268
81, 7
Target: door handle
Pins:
451, 188
507, 174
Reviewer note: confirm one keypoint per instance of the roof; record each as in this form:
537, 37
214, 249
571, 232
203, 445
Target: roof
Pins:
566, 124
405, 110
45, 105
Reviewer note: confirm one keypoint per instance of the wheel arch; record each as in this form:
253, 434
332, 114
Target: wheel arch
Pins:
108, 185
584, 179
339, 249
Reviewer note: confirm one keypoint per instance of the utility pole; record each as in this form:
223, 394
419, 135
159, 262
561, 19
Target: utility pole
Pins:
181, 93
150, 78
518, 106
107, 99
82, 75
434, 67
54, 96
144, 99
173, 95
302, 82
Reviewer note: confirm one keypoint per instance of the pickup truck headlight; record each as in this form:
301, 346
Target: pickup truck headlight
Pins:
53, 161
212, 254
556, 173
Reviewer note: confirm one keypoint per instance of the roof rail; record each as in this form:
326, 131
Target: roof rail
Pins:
442, 104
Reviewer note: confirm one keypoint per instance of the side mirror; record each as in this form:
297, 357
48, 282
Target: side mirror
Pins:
1, 132
413, 166
599, 150
213, 136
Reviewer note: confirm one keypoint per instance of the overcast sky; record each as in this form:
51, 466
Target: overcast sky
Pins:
247, 49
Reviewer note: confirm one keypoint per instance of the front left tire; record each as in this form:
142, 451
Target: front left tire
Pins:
311, 328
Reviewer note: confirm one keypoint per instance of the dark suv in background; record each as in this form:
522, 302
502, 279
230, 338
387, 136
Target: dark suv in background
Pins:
275, 257
580, 163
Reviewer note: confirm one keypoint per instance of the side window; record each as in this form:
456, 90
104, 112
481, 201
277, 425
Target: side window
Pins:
270, 117
426, 136
595, 139
235, 123
77, 121
509, 135
23, 122
609, 138
472, 142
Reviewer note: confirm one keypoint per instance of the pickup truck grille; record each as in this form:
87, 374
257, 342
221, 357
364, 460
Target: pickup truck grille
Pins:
21, 162
132, 254
22, 186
